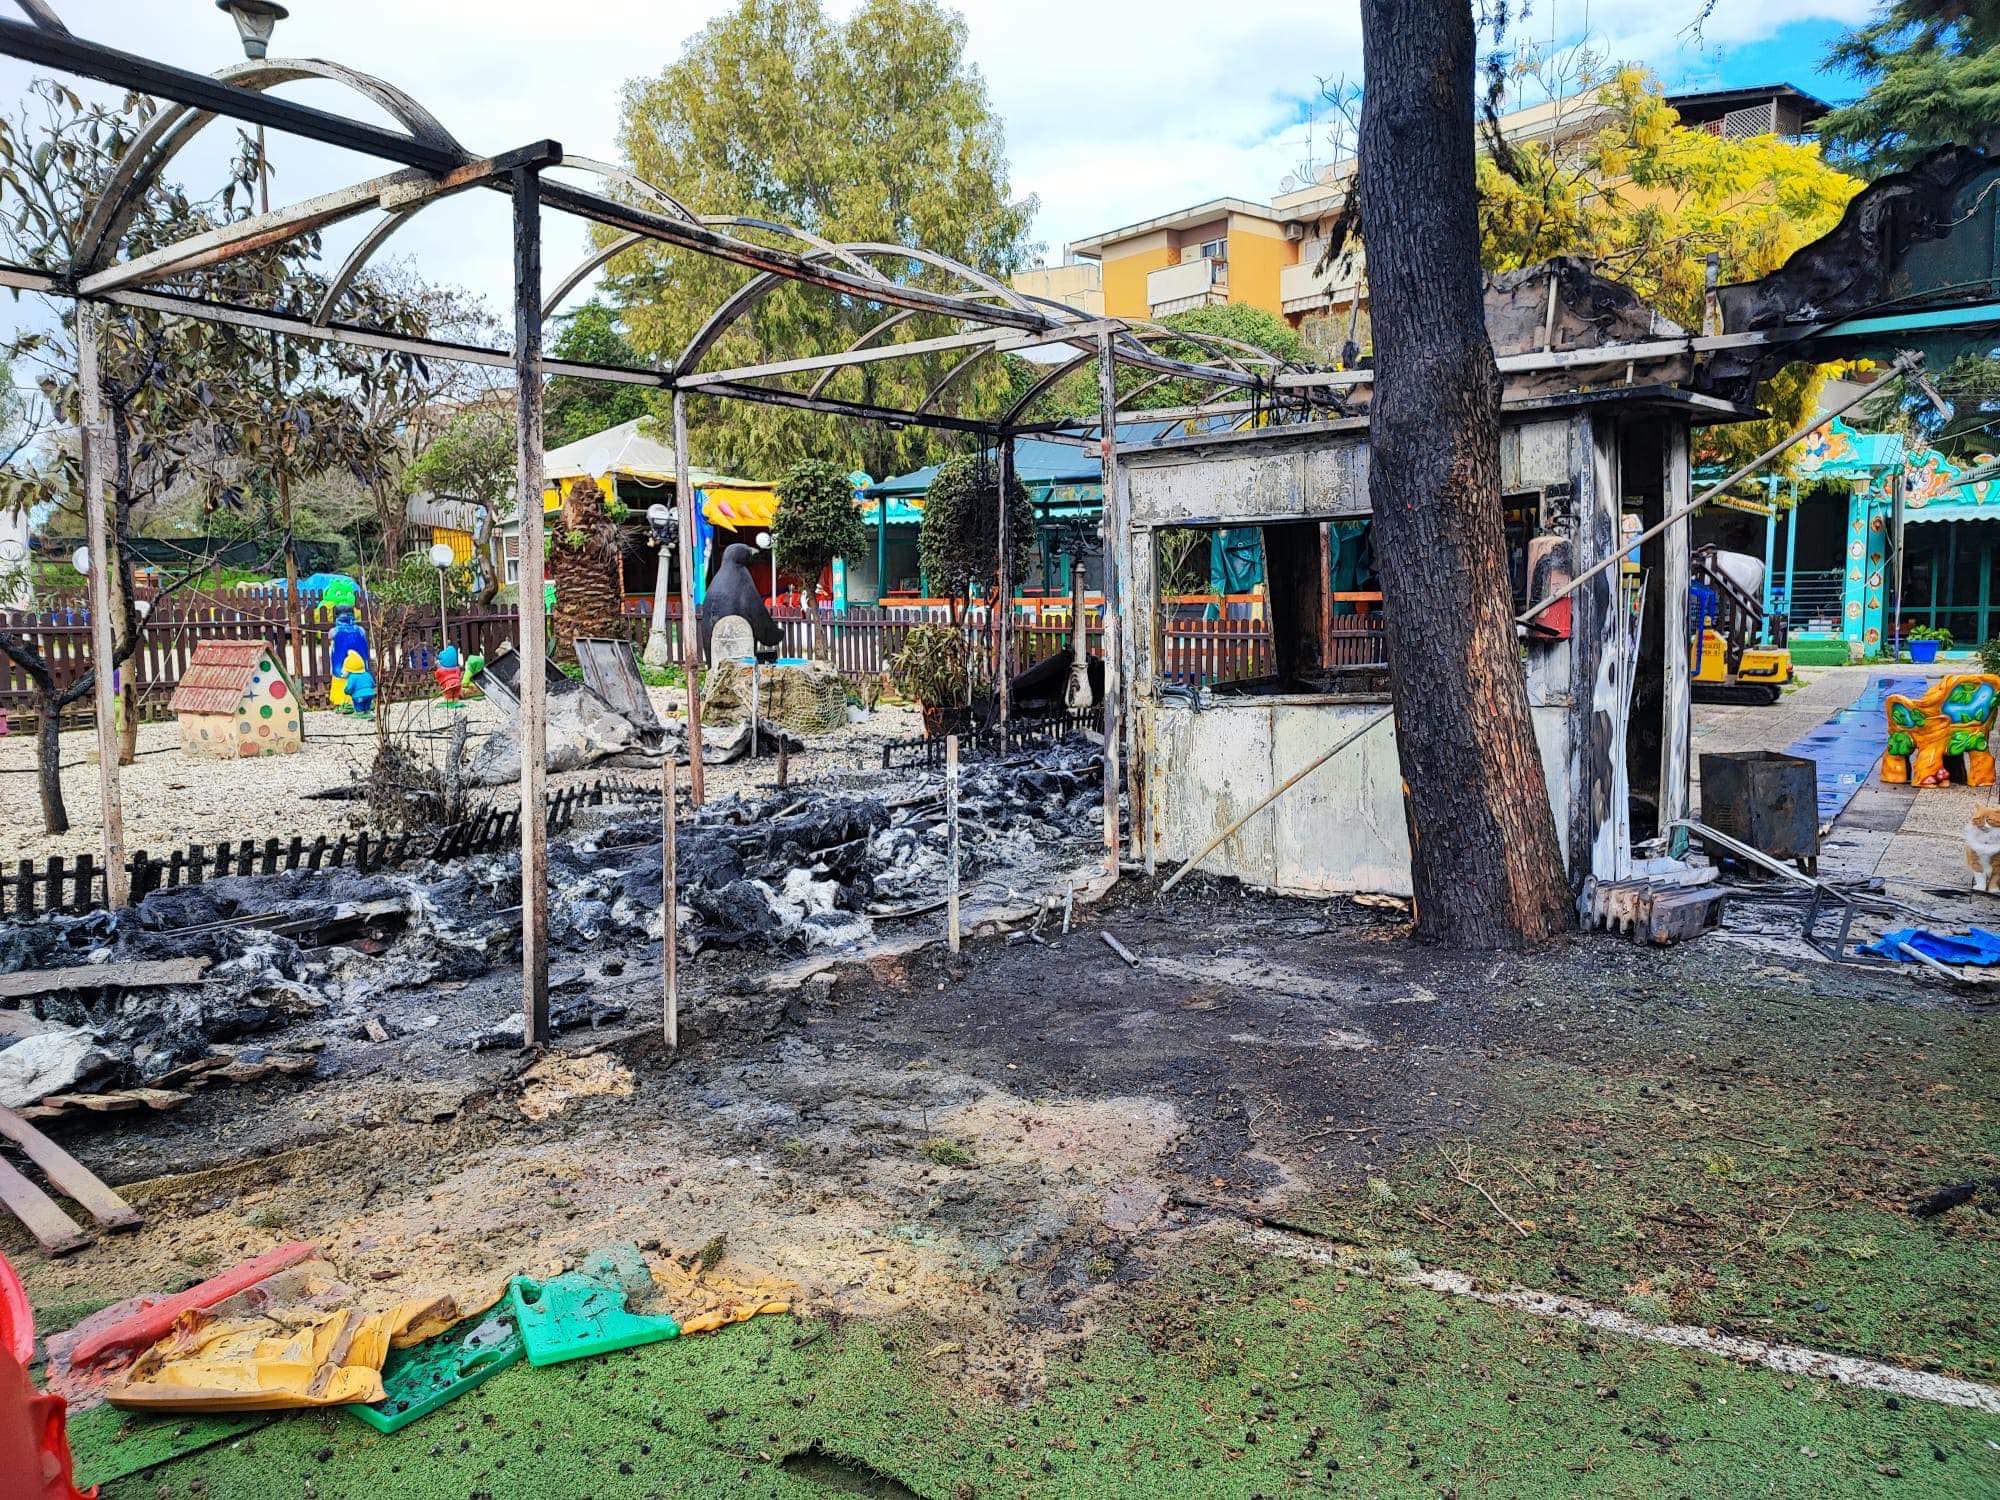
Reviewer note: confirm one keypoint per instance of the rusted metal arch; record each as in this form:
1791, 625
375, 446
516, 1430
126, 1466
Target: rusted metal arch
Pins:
1142, 332
754, 290
609, 252
381, 233
903, 317
170, 131
952, 376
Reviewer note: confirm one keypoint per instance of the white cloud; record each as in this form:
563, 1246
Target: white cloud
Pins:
1115, 110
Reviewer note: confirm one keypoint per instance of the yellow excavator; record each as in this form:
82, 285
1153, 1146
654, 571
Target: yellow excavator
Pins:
1725, 622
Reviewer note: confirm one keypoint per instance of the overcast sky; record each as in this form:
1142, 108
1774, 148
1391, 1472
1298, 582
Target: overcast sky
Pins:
1115, 109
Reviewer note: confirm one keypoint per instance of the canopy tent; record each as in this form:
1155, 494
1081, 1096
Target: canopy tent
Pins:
1061, 475
625, 452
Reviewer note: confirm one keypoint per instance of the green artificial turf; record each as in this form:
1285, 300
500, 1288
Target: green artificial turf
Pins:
110, 1444
1756, 1174
1239, 1374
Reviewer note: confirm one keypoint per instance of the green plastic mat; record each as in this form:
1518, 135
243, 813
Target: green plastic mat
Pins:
574, 1315
420, 1379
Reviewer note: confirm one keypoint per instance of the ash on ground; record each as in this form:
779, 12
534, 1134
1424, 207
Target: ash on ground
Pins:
784, 872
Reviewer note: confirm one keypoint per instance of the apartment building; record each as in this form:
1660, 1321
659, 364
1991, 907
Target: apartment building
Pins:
1272, 255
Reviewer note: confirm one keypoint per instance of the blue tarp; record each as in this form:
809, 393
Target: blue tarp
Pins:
1975, 946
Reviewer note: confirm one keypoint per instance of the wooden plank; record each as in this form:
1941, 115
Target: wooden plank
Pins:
69, 1175
55, 1231
138, 973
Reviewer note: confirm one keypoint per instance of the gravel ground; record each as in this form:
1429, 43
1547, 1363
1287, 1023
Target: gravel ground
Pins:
172, 799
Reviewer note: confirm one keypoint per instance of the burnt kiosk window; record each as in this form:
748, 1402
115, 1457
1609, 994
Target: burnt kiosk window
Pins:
1289, 607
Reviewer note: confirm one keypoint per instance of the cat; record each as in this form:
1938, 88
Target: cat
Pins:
1982, 850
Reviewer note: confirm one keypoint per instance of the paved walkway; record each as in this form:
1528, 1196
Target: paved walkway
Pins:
1909, 838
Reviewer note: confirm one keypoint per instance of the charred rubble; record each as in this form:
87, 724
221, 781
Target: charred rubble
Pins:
788, 871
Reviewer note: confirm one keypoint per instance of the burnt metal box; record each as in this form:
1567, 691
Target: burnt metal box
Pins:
1765, 799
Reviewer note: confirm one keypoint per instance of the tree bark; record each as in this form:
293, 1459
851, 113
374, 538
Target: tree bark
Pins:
48, 761
1486, 867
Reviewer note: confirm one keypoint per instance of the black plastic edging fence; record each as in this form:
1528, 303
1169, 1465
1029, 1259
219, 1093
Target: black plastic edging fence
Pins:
1025, 733
60, 884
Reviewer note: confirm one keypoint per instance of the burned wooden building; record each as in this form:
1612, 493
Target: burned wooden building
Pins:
1594, 451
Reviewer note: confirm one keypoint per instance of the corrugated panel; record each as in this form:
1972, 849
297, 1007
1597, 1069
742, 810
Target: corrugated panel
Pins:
217, 676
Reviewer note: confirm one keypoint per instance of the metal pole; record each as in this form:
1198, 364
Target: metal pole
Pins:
104, 697
1770, 558
1003, 592
294, 645
1900, 371
670, 902
534, 621
881, 551
1895, 622
1107, 395
690, 631
951, 840
1791, 551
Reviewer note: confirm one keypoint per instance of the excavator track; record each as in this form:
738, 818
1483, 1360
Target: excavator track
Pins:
1756, 694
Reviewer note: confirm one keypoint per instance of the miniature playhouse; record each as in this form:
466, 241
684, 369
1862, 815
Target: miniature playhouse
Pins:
235, 700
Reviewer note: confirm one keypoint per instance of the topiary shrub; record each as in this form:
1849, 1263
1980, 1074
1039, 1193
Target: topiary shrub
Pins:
959, 542
816, 522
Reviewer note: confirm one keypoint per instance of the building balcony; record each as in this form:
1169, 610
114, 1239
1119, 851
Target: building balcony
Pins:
1193, 283
1306, 288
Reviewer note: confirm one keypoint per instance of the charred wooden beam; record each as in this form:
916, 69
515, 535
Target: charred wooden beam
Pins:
533, 621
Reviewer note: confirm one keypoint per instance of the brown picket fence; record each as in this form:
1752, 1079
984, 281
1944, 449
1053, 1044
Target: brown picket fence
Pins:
860, 642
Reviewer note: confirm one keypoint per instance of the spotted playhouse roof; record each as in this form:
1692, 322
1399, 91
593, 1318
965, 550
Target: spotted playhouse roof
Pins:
218, 676
234, 700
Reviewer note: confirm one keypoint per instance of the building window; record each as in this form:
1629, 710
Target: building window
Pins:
1215, 249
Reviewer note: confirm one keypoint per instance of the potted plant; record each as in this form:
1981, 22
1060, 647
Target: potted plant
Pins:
1926, 641
933, 669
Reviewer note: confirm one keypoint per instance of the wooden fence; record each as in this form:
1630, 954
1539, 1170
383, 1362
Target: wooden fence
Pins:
859, 642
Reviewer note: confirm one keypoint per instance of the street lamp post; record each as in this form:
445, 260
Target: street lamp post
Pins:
255, 20
442, 559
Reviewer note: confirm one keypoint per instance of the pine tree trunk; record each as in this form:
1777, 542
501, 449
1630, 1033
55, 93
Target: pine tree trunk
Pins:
1487, 870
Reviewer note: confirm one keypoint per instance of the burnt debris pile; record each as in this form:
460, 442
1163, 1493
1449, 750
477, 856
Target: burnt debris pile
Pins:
812, 870
139, 994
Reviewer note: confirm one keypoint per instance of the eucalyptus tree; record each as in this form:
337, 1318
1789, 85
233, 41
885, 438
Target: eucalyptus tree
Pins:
870, 128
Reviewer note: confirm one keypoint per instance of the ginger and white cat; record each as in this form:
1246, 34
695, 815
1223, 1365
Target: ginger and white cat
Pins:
1982, 850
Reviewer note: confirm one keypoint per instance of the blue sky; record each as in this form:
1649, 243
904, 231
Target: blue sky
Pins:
1115, 110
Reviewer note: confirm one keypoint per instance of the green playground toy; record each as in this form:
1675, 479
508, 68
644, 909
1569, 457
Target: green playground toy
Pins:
420, 1379
583, 1312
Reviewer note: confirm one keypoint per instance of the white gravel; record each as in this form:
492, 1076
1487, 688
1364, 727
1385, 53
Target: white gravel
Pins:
172, 799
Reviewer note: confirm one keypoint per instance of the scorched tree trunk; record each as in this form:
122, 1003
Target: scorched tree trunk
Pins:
1487, 871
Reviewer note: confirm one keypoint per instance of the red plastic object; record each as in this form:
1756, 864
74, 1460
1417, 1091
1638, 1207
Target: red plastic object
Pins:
34, 1445
150, 1324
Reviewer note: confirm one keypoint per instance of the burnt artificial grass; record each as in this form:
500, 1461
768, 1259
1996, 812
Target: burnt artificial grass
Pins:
1238, 1374
1755, 1170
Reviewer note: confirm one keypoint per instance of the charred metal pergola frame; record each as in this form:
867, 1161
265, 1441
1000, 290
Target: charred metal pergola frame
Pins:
430, 165
1249, 387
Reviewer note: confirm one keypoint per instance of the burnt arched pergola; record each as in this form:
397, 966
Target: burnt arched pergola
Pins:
427, 163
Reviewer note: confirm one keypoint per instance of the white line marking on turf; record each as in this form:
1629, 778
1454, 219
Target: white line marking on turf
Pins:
1788, 1359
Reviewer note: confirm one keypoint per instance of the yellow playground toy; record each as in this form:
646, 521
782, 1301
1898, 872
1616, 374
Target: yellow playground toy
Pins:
1954, 717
